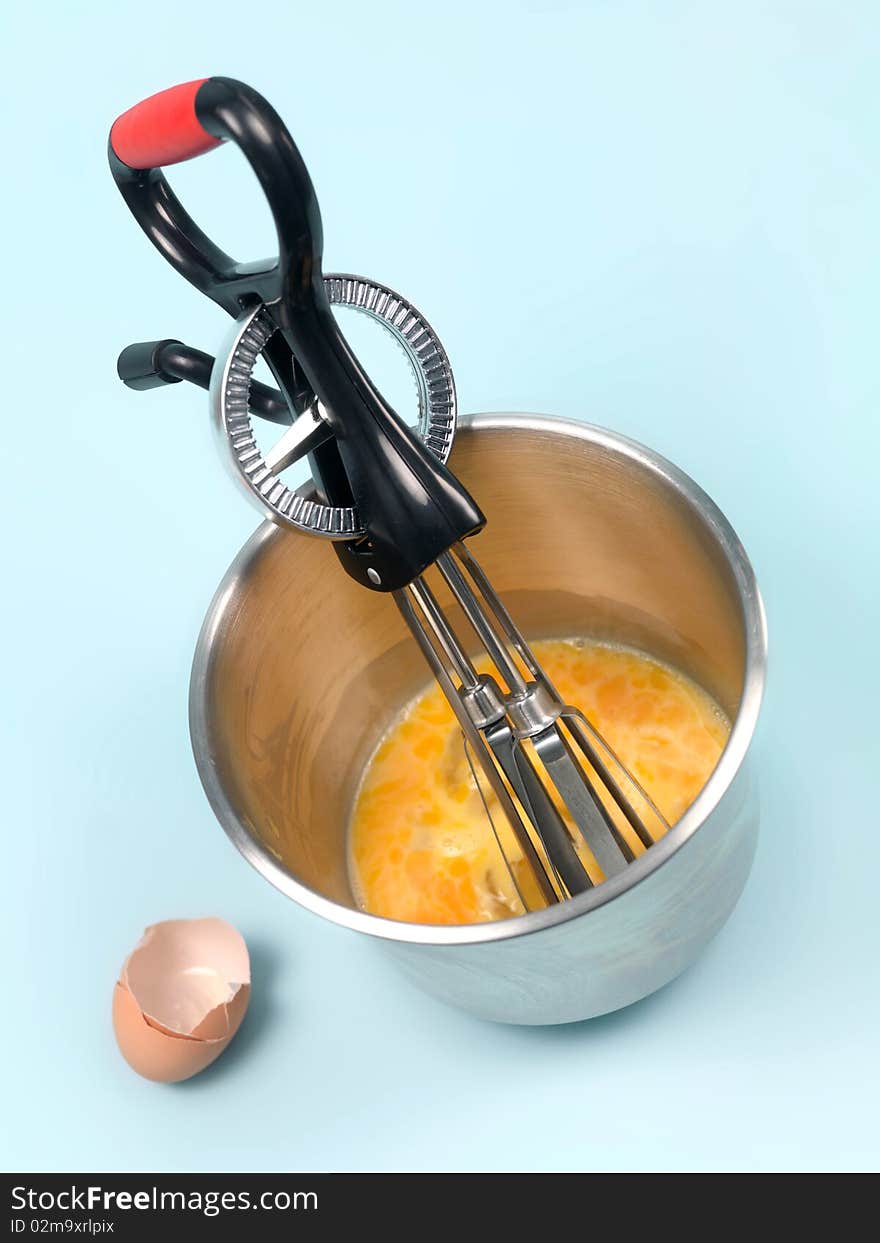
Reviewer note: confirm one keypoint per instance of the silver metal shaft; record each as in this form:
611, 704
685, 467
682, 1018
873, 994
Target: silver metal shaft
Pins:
514, 725
475, 740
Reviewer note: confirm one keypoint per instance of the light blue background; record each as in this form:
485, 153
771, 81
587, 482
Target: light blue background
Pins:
663, 217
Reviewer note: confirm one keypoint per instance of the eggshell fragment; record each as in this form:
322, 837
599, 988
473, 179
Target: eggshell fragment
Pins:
180, 998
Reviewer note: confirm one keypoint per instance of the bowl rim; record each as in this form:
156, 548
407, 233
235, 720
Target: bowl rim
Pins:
742, 731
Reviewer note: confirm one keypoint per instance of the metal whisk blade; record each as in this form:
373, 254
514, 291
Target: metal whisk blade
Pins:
569, 809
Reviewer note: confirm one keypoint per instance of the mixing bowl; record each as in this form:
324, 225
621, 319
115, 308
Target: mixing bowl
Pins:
299, 672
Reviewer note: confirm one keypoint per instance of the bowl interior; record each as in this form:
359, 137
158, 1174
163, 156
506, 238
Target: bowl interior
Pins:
300, 671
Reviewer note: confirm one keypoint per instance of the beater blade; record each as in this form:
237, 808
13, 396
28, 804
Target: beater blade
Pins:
571, 810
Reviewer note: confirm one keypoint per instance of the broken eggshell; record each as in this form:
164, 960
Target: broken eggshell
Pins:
180, 998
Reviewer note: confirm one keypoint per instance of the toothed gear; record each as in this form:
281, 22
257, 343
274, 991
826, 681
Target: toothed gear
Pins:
298, 507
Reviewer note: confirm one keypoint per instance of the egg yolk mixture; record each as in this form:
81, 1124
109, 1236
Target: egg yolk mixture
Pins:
422, 848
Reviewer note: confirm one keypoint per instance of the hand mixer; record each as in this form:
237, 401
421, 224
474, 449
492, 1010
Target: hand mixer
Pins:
380, 491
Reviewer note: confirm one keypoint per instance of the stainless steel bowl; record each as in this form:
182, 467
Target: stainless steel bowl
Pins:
299, 671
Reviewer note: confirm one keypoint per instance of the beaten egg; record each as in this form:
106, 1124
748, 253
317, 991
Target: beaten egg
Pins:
421, 846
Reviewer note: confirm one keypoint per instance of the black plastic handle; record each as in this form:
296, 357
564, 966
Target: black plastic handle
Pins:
152, 364
221, 109
411, 506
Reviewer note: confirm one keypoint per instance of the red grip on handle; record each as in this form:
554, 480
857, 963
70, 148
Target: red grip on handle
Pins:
163, 129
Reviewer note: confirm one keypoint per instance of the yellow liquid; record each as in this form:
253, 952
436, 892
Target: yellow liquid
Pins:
421, 846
